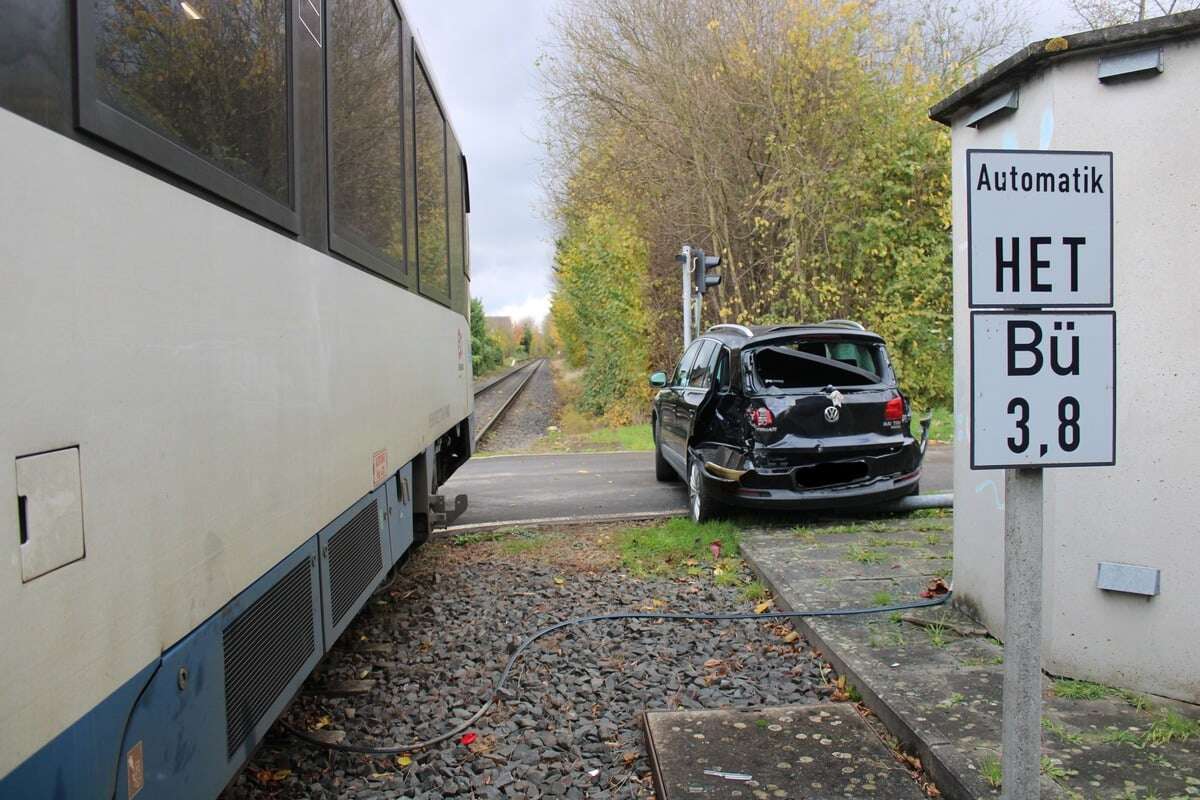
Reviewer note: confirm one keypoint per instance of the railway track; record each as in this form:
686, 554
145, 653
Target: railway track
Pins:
494, 397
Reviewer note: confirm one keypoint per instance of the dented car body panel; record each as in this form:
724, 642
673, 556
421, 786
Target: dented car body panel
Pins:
791, 417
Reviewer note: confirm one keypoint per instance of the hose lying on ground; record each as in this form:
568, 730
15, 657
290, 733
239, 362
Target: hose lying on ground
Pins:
622, 616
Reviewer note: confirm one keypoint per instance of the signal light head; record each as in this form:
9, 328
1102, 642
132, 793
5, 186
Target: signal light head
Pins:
704, 264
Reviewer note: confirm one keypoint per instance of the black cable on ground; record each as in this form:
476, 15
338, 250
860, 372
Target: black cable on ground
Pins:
623, 616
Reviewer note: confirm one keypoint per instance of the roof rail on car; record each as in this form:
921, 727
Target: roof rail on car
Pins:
730, 326
844, 323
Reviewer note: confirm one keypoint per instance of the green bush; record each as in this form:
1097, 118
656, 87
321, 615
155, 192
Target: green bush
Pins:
485, 350
600, 266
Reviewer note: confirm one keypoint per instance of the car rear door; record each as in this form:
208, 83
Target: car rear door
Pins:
671, 437
692, 397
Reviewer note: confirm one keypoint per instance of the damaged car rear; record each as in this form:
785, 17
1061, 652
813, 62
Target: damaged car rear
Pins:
787, 417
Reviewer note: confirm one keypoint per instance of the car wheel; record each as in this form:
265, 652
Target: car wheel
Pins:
663, 470
701, 507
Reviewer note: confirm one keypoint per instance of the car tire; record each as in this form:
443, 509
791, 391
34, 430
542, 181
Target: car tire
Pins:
663, 471
701, 507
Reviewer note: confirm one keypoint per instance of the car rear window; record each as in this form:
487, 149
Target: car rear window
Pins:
808, 363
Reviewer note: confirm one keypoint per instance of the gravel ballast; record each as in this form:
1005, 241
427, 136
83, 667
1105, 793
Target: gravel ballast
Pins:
491, 394
527, 418
568, 724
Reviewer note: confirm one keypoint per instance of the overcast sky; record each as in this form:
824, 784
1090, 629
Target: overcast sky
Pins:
483, 54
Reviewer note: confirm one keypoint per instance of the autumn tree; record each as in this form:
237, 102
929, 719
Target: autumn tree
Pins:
1104, 13
788, 136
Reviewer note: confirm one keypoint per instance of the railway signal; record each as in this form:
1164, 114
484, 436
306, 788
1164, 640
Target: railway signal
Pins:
697, 280
685, 259
705, 265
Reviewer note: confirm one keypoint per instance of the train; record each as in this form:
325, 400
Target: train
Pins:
234, 299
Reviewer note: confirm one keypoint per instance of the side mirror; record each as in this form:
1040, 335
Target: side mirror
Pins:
658, 380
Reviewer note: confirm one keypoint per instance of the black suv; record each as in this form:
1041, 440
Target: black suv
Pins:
785, 417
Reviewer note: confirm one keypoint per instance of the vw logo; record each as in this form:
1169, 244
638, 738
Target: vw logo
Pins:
833, 414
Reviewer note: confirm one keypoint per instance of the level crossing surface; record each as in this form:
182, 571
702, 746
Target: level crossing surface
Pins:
553, 486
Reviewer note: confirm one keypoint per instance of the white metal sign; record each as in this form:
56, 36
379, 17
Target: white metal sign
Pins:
1043, 388
1039, 229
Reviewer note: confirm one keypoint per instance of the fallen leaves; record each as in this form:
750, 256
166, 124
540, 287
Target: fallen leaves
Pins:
935, 588
403, 761
483, 746
840, 693
272, 775
764, 606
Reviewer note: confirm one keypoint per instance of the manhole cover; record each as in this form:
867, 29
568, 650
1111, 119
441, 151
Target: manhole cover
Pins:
818, 752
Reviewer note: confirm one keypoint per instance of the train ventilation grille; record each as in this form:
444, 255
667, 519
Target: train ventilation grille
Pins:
355, 555
264, 649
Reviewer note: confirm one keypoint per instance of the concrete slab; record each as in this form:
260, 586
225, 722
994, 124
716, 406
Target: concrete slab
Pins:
812, 752
936, 685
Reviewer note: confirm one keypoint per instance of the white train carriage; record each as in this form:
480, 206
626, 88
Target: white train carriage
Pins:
235, 368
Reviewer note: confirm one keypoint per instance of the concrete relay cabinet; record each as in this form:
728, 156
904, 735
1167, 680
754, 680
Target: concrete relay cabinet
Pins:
1122, 543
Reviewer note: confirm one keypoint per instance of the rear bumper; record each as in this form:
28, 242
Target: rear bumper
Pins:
866, 480
866, 493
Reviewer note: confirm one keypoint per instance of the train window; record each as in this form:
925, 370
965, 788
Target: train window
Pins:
410, 178
466, 190
456, 210
432, 233
201, 88
366, 150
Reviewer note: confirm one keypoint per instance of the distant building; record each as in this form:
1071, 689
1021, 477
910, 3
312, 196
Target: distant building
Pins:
1132, 90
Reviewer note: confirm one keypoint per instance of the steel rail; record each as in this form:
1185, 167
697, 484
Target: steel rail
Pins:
488, 383
532, 368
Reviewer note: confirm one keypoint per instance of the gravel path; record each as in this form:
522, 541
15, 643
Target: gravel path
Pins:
527, 418
569, 725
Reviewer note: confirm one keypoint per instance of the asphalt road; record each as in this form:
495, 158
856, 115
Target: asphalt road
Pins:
562, 486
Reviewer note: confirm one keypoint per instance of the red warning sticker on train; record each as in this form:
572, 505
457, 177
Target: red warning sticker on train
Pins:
379, 463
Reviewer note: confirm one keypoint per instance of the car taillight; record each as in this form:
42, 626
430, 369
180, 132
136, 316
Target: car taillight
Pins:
894, 410
761, 417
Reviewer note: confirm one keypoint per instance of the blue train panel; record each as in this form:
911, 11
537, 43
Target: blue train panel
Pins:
355, 555
400, 512
184, 725
81, 762
221, 688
